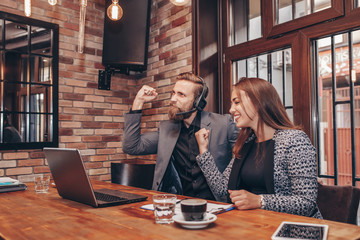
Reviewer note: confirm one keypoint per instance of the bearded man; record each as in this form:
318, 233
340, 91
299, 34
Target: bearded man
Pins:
176, 170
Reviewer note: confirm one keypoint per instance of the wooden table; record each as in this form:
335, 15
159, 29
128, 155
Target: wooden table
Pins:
27, 215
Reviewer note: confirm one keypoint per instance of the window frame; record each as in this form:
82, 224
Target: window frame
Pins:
55, 75
299, 39
272, 30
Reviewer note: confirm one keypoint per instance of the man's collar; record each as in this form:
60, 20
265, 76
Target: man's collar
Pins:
196, 121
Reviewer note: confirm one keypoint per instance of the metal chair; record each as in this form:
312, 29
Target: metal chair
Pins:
131, 174
339, 203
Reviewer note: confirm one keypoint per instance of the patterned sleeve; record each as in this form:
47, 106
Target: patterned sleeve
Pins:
217, 181
296, 189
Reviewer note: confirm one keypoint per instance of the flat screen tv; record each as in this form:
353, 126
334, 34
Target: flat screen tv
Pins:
125, 42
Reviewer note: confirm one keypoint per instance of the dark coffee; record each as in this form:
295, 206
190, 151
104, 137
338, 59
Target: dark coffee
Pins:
193, 209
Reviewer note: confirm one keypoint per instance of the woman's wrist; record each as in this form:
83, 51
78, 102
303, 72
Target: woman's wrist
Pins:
203, 150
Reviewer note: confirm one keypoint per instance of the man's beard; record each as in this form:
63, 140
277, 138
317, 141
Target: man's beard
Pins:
174, 110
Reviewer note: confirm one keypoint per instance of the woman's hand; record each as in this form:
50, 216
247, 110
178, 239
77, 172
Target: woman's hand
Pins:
243, 199
202, 138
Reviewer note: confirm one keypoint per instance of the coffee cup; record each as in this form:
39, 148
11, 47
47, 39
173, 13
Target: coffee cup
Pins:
193, 209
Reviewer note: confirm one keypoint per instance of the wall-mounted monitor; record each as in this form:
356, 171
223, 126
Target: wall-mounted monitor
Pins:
125, 45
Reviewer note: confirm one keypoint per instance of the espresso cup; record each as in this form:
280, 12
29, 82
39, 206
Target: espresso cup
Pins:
193, 209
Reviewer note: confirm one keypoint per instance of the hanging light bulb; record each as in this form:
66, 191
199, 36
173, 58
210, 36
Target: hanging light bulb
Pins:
114, 11
52, 2
180, 2
27, 7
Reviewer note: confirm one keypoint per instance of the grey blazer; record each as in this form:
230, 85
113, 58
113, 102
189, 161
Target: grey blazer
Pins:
223, 134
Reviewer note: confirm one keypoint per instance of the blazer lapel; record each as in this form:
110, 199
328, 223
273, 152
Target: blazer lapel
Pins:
234, 180
269, 171
205, 123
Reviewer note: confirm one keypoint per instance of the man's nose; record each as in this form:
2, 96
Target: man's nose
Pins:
173, 98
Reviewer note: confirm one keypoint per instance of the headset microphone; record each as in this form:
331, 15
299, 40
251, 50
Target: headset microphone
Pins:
183, 113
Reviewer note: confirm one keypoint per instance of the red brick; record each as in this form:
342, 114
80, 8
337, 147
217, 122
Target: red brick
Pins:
41, 169
71, 96
76, 145
179, 21
37, 154
112, 125
30, 162
65, 132
111, 138
94, 145
94, 112
91, 125
91, 138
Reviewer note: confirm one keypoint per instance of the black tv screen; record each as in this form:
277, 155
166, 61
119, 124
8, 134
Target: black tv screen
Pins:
125, 42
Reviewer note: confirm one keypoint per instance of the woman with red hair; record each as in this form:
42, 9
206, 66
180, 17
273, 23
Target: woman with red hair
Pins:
274, 165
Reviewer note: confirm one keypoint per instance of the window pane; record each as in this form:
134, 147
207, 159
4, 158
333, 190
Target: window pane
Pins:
278, 73
45, 73
41, 41
287, 10
12, 94
39, 125
343, 132
288, 78
290, 112
263, 66
275, 67
40, 96
16, 36
254, 19
284, 11
252, 67
336, 79
245, 21
11, 131
239, 69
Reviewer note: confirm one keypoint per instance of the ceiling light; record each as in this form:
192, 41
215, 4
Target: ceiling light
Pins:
52, 2
114, 11
180, 2
27, 7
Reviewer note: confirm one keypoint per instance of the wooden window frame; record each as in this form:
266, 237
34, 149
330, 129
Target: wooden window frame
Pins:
299, 41
270, 29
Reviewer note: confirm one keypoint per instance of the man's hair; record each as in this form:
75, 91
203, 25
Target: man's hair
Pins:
188, 76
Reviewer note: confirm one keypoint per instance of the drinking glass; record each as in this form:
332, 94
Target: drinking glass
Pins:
164, 208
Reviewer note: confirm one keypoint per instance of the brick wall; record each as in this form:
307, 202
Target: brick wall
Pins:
92, 120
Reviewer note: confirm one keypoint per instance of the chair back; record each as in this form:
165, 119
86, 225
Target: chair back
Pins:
131, 174
339, 203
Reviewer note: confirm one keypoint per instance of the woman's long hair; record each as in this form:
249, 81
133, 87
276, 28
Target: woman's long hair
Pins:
267, 103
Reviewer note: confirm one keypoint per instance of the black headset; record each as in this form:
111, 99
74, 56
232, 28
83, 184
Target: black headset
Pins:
200, 101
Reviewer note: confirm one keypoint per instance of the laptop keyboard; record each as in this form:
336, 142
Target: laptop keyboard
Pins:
106, 197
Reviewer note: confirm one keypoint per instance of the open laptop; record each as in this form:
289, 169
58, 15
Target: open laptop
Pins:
73, 183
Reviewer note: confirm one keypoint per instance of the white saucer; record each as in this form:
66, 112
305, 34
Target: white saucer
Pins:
209, 218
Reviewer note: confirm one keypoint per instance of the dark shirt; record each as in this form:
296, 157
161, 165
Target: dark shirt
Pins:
186, 149
253, 170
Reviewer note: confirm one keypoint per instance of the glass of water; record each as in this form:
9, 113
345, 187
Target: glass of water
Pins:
164, 208
42, 183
